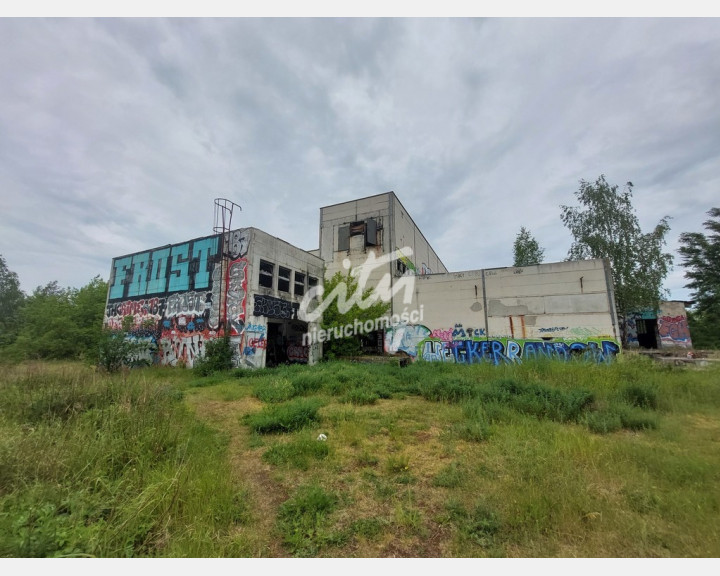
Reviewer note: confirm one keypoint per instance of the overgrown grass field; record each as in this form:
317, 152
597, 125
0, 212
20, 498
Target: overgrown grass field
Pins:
538, 459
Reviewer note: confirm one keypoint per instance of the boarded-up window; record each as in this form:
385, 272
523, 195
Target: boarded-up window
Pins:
267, 270
371, 232
284, 279
357, 228
299, 284
343, 238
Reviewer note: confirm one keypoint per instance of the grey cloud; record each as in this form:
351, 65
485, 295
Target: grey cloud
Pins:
124, 130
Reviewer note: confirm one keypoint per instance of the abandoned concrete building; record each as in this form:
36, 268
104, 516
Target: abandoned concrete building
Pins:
260, 290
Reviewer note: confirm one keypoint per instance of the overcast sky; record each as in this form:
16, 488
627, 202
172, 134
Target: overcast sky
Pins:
117, 134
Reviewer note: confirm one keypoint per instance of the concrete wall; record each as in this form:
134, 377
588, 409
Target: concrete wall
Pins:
397, 234
405, 233
506, 314
663, 328
178, 296
673, 325
273, 333
339, 216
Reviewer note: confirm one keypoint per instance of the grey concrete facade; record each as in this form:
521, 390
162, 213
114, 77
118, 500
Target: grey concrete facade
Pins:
251, 286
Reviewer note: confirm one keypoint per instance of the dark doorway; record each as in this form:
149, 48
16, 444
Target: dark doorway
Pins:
285, 343
647, 333
275, 345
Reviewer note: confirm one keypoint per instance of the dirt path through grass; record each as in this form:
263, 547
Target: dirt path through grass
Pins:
249, 471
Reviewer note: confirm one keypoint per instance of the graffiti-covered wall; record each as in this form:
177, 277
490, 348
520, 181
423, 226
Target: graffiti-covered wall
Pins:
459, 346
673, 326
170, 297
560, 310
666, 327
178, 297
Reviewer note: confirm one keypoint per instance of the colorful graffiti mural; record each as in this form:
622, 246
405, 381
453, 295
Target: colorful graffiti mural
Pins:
467, 346
186, 312
237, 282
674, 331
178, 268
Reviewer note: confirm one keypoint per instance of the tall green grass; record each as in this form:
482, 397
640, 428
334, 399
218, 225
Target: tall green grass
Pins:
538, 459
108, 466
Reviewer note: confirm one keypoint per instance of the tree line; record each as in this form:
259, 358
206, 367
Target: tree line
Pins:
605, 225
66, 323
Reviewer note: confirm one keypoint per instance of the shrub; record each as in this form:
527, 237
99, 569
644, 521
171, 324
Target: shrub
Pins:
117, 349
539, 400
218, 357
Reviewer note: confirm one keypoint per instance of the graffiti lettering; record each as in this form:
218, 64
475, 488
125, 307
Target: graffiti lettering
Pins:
507, 351
170, 269
149, 307
237, 294
462, 346
298, 354
274, 307
674, 331
187, 303
176, 349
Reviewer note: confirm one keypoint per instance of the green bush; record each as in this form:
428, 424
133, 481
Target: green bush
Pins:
116, 349
218, 357
620, 416
539, 400
285, 417
634, 419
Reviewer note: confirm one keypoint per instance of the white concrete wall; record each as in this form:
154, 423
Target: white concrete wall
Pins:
563, 303
405, 233
335, 216
265, 306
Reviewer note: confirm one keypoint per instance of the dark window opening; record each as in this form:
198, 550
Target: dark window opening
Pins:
284, 279
647, 333
267, 270
312, 281
357, 228
299, 284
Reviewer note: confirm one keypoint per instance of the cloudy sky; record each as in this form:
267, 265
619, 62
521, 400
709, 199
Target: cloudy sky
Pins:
116, 135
